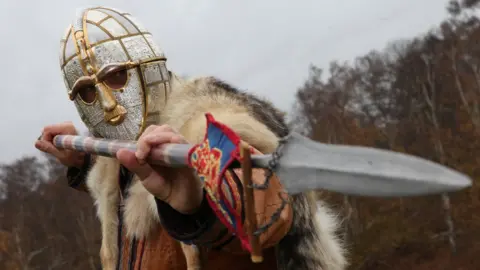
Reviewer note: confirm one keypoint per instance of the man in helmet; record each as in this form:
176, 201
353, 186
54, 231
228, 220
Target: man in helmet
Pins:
117, 78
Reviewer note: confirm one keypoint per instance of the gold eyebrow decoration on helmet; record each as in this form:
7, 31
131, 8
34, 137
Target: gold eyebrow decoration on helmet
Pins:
104, 72
79, 84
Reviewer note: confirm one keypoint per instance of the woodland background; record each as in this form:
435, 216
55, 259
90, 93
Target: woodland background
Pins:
419, 96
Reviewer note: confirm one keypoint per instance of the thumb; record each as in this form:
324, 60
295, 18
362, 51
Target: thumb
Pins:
128, 159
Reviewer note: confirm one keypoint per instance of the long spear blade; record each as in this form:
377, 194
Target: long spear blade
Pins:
308, 165
362, 171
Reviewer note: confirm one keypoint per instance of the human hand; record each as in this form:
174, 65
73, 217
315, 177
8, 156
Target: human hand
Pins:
176, 186
44, 143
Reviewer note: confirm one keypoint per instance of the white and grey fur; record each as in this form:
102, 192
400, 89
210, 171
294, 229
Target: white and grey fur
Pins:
312, 242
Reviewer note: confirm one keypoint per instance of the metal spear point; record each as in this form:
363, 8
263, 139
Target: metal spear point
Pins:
307, 165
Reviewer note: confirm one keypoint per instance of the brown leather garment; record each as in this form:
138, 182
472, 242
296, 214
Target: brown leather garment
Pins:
164, 253
161, 252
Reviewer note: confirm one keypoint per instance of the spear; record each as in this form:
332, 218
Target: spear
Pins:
309, 165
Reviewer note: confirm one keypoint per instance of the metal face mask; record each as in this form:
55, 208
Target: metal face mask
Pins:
114, 72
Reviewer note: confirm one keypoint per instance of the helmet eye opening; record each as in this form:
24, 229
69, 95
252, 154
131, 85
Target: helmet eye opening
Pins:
116, 80
88, 94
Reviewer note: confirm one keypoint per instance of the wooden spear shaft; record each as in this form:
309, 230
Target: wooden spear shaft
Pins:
246, 163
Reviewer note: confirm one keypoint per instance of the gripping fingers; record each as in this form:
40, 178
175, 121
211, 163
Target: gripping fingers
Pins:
142, 147
153, 135
47, 147
49, 132
45, 140
145, 144
131, 162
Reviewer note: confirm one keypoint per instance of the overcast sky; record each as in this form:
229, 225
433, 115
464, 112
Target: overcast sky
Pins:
262, 46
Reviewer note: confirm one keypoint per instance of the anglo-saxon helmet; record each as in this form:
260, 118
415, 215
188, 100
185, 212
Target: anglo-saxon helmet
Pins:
114, 73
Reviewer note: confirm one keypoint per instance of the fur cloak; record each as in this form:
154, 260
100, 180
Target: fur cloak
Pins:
312, 242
